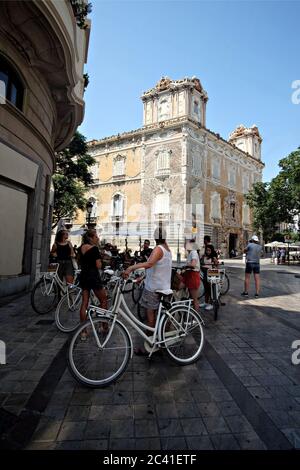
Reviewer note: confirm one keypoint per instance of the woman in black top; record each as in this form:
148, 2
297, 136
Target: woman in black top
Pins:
207, 261
62, 251
90, 260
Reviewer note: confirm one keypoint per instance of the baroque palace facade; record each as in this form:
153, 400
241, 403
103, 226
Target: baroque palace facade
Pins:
176, 171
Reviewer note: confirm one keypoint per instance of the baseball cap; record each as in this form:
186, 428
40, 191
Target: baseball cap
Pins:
255, 238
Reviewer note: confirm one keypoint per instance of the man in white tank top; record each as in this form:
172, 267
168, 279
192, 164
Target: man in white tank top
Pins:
158, 274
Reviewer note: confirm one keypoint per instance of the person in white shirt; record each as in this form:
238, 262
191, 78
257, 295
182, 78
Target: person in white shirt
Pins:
158, 276
192, 273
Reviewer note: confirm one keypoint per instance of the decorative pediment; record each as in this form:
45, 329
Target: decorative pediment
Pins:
119, 158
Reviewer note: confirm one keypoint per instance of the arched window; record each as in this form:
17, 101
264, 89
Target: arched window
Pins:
11, 87
232, 177
215, 206
95, 172
245, 183
163, 160
118, 205
162, 203
119, 166
196, 163
216, 168
94, 201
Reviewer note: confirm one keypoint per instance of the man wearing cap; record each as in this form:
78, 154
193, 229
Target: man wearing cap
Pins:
253, 254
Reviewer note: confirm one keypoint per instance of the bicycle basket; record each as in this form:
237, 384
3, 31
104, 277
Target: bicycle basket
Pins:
213, 272
52, 268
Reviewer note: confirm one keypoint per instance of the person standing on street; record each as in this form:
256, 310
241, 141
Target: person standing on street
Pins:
62, 251
90, 260
158, 277
253, 254
146, 251
208, 260
192, 273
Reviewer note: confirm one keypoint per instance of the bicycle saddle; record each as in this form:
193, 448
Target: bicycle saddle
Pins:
164, 292
108, 271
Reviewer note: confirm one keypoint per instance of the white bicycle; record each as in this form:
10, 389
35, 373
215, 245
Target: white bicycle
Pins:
48, 290
102, 347
214, 277
67, 313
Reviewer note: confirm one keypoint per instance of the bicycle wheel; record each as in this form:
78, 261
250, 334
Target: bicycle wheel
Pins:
67, 314
43, 297
137, 291
225, 285
182, 333
215, 301
98, 367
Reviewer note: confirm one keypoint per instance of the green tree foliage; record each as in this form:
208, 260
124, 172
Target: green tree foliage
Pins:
81, 9
71, 179
279, 200
259, 200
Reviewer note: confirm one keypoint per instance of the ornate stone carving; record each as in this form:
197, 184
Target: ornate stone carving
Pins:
165, 83
242, 131
231, 211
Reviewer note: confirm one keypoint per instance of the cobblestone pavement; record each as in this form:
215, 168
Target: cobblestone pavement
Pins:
244, 392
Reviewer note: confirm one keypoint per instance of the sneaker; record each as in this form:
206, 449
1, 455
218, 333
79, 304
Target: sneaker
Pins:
208, 307
256, 295
83, 336
245, 294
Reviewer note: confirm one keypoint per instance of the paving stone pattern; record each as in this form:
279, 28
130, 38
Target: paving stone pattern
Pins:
244, 392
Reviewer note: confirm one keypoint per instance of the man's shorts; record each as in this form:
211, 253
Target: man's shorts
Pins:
149, 300
252, 267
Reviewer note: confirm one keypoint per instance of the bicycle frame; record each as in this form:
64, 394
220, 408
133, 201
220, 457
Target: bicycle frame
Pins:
120, 308
55, 279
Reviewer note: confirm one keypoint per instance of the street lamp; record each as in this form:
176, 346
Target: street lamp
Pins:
89, 208
126, 238
178, 252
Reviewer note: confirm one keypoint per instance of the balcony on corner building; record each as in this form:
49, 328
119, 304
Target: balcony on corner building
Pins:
162, 172
116, 218
68, 222
162, 217
55, 40
91, 222
117, 177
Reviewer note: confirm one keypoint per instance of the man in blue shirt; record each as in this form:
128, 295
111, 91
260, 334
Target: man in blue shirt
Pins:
253, 254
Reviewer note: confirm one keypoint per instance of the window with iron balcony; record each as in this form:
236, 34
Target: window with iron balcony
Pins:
119, 167
162, 163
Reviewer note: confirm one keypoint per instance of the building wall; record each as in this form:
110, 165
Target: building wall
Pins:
175, 161
26, 163
47, 50
190, 180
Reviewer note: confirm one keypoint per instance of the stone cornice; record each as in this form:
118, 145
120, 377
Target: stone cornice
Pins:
114, 181
167, 125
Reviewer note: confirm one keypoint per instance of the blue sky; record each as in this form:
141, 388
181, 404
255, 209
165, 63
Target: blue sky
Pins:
245, 53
